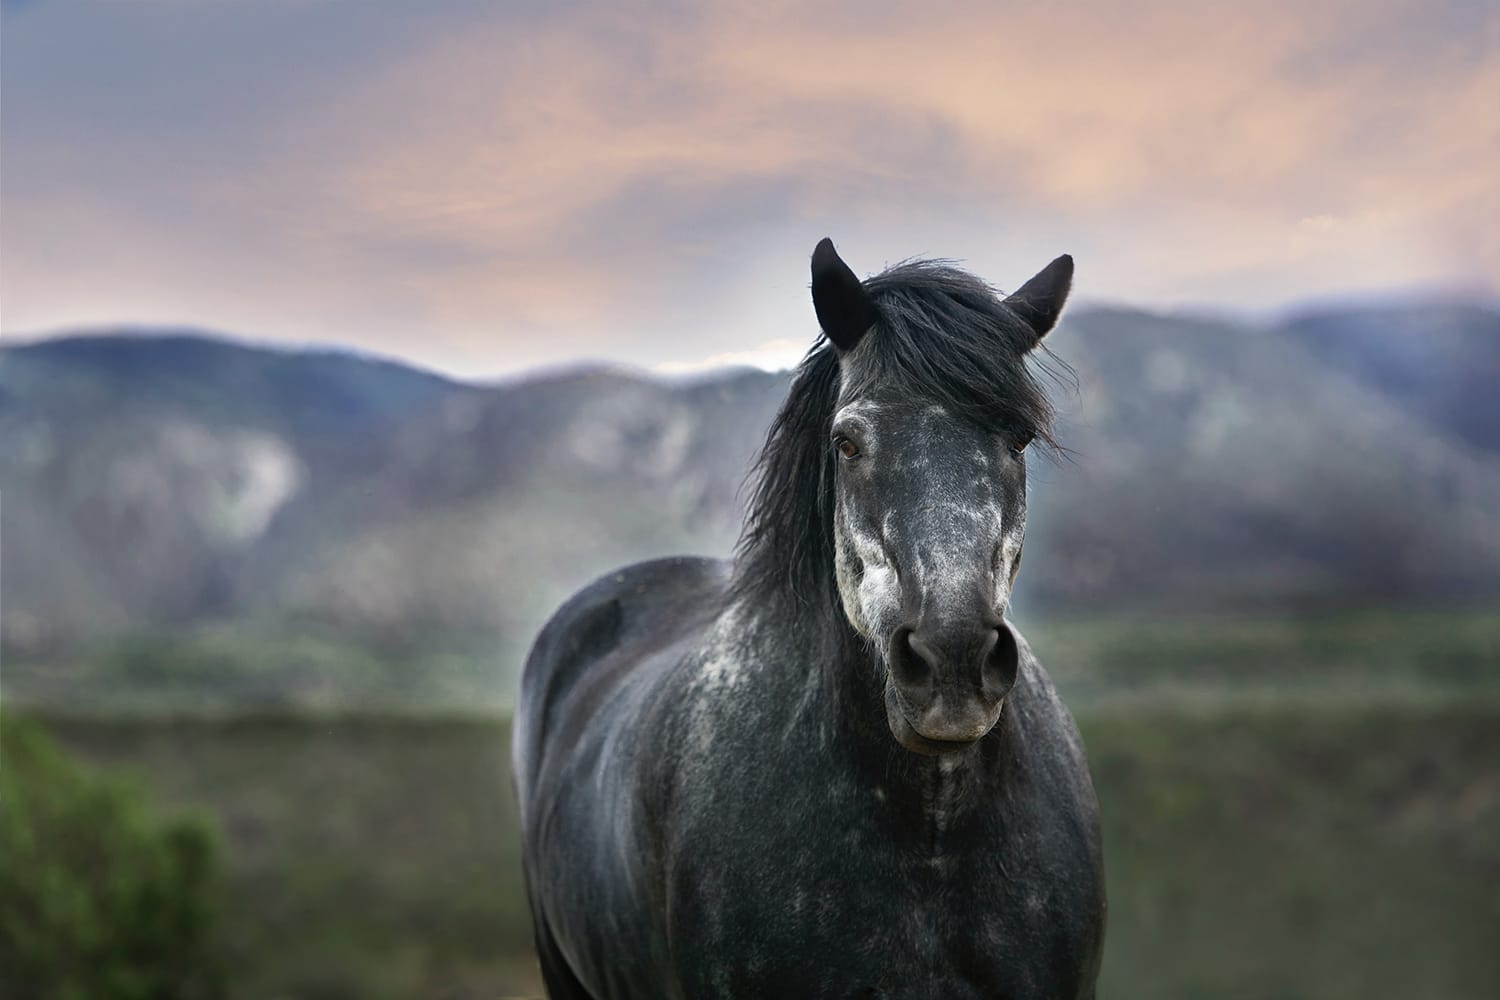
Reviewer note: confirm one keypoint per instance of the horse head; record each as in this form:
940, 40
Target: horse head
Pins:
927, 438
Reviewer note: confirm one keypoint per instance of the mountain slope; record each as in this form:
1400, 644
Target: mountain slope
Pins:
1224, 466
169, 482
1437, 361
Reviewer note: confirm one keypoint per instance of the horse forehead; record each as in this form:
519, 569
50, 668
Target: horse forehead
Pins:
944, 459
864, 409
894, 404
930, 460
934, 427
955, 492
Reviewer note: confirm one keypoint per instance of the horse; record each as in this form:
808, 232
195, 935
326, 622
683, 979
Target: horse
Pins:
831, 766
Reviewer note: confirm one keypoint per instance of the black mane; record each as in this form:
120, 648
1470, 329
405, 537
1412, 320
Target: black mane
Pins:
943, 336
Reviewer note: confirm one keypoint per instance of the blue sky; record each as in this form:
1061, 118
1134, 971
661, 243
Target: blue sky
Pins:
485, 187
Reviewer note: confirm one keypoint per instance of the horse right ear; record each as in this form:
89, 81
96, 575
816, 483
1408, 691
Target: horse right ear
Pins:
1039, 302
844, 309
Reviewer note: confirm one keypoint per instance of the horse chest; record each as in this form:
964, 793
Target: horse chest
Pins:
836, 901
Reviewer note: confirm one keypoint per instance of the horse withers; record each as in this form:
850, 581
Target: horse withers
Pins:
831, 767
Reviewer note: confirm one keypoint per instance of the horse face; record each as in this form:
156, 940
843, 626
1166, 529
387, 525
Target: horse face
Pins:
930, 510
930, 513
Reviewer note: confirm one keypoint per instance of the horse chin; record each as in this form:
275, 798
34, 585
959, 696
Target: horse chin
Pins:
906, 734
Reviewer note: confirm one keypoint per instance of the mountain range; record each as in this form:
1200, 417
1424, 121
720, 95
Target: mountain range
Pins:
171, 480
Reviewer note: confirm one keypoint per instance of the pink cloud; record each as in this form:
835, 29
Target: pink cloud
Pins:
600, 181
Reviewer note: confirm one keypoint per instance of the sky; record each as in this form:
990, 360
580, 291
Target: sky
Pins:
485, 187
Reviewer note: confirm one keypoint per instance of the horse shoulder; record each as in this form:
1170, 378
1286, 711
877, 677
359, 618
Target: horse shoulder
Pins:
582, 726
612, 620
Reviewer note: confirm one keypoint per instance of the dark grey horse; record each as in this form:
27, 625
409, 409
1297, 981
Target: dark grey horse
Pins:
831, 768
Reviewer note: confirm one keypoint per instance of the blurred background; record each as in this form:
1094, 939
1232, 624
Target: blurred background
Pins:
344, 340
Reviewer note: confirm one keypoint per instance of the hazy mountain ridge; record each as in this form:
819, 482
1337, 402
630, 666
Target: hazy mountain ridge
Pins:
1254, 471
170, 481
1438, 361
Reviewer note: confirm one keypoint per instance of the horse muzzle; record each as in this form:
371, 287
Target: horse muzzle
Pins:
946, 687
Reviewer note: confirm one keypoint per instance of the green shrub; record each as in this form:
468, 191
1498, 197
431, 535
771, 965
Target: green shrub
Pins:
98, 898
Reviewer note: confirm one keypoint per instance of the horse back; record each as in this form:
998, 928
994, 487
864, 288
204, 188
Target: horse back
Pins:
590, 646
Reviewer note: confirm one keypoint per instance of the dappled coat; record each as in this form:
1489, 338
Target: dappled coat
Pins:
831, 767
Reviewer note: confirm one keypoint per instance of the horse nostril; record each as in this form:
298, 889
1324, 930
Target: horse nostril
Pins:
911, 660
1001, 663
925, 651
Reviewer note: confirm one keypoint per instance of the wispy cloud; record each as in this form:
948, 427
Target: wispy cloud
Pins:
488, 188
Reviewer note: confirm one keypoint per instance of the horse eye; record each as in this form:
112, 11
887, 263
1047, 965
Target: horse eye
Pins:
847, 448
1021, 441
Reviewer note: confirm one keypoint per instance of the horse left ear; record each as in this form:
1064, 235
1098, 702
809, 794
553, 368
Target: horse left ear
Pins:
844, 309
1040, 300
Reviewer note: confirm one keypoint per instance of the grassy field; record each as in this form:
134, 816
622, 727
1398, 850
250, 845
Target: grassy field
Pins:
1315, 852
365, 857
1372, 656
1363, 655
1382, 654
1273, 829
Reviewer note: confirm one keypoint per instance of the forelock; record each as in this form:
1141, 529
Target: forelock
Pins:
946, 337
